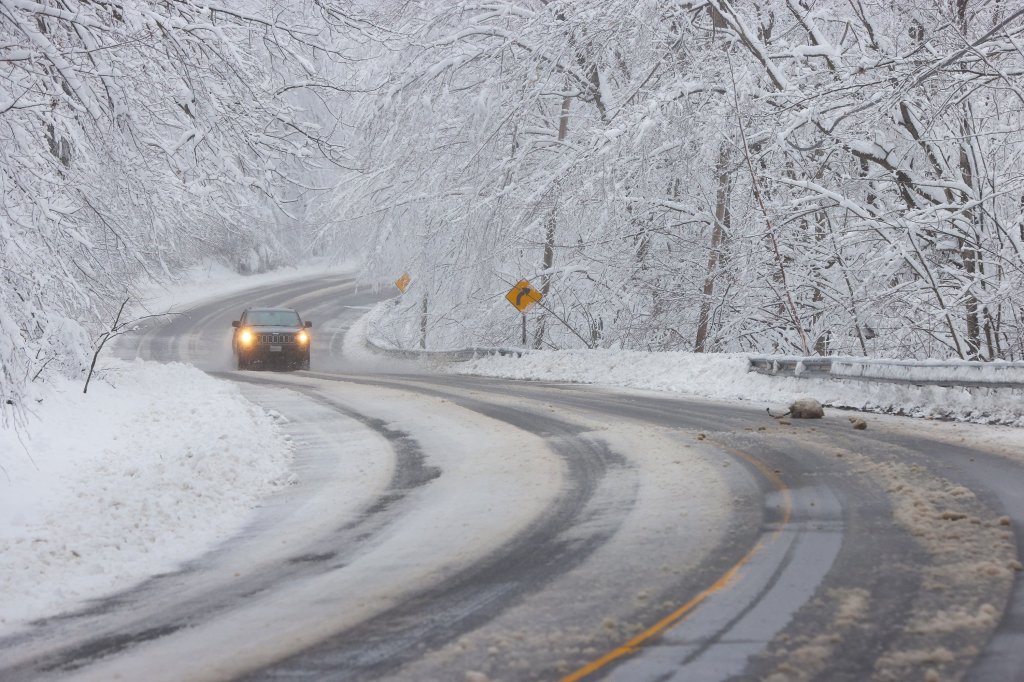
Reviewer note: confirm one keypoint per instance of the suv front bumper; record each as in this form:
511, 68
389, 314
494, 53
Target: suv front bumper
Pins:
274, 354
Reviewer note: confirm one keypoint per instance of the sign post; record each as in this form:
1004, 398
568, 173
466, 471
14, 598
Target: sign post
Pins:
523, 297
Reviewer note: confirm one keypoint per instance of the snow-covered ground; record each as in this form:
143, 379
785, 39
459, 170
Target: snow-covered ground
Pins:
726, 377
149, 469
101, 490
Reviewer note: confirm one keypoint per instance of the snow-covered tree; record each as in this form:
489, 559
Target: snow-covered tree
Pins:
826, 176
139, 136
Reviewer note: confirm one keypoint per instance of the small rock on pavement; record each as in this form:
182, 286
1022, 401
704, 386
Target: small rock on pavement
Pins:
806, 408
858, 423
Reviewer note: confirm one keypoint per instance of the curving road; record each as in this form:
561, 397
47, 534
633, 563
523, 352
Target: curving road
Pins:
461, 528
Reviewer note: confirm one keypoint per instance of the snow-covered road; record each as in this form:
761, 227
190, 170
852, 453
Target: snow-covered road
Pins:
465, 528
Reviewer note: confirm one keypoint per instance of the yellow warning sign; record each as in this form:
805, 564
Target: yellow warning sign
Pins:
403, 282
523, 296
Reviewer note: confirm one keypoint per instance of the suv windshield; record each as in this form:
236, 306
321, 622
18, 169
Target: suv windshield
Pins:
273, 318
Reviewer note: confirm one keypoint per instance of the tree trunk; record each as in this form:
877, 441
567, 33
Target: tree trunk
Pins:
720, 226
969, 253
423, 323
548, 260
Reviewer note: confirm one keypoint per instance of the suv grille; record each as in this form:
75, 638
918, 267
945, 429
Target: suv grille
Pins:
275, 338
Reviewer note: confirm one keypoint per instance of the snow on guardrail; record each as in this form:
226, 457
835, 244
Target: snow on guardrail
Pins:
947, 373
459, 355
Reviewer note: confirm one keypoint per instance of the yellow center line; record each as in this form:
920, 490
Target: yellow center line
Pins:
723, 581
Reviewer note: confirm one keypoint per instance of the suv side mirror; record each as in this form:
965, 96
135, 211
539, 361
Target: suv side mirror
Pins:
236, 324
309, 325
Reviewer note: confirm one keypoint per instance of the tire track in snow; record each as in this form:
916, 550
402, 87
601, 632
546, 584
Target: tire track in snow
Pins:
478, 592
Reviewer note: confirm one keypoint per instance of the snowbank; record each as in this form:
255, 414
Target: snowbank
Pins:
151, 468
725, 377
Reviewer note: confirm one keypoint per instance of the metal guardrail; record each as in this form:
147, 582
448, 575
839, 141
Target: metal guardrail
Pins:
791, 366
461, 355
949, 374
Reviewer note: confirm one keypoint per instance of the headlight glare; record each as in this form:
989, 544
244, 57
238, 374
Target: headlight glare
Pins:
302, 338
245, 336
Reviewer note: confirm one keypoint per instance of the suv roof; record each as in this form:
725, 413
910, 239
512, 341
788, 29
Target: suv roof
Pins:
272, 317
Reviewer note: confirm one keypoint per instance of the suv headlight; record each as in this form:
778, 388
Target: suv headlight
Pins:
245, 337
302, 338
